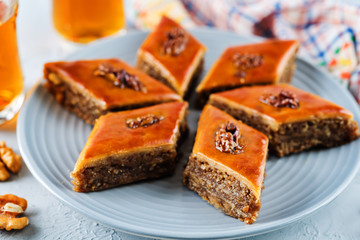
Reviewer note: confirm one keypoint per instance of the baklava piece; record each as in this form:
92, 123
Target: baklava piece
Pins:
130, 146
91, 88
171, 55
227, 164
294, 120
272, 61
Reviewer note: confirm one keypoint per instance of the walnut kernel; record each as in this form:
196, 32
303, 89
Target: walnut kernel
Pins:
227, 139
120, 77
176, 42
12, 206
246, 61
11, 160
283, 99
4, 173
144, 121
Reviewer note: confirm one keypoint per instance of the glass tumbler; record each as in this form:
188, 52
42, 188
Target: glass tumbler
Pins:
11, 78
83, 21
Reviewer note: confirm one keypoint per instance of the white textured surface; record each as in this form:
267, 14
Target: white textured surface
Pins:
49, 219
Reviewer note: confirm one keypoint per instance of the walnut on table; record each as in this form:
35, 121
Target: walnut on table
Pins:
4, 174
12, 206
8, 161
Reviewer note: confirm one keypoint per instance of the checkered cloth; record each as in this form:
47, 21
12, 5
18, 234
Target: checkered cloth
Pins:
329, 32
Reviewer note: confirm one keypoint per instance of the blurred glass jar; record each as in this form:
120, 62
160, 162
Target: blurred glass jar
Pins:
83, 21
11, 78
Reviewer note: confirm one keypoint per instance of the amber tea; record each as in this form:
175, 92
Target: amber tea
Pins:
86, 20
11, 78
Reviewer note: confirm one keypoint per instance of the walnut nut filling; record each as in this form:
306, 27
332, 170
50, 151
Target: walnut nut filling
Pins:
227, 139
144, 121
283, 99
120, 77
176, 42
246, 61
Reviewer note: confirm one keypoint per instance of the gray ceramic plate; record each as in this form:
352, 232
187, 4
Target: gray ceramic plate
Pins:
51, 139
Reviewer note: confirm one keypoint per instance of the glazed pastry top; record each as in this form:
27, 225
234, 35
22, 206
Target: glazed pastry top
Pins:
254, 98
181, 65
249, 64
83, 74
133, 130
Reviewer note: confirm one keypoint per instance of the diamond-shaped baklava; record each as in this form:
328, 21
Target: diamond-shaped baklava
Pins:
227, 164
294, 120
130, 146
267, 62
171, 55
91, 88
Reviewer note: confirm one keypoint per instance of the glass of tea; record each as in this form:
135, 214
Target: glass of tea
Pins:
83, 21
11, 78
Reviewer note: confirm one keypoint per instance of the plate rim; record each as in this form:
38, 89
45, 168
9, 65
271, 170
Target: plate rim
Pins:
139, 231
